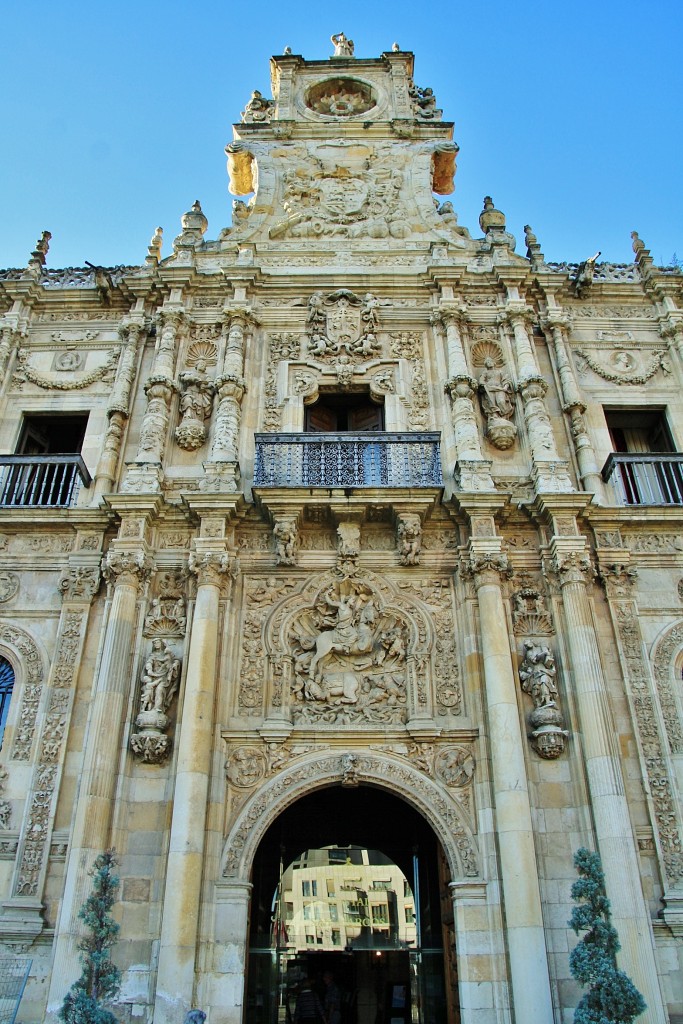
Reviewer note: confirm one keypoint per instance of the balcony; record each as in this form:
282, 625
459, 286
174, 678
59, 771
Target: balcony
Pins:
363, 459
43, 481
646, 478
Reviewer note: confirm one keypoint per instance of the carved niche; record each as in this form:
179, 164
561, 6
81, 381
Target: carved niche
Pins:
537, 676
496, 394
343, 648
340, 97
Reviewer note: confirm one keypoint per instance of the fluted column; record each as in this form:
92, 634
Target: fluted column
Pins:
572, 404
146, 473
529, 978
613, 829
118, 409
549, 472
125, 572
211, 563
472, 471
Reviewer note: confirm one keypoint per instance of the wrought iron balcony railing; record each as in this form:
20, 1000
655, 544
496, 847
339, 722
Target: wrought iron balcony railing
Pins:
646, 479
363, 459
48, 481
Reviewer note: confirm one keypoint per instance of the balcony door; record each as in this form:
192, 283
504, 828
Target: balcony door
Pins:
343, 413
647, 480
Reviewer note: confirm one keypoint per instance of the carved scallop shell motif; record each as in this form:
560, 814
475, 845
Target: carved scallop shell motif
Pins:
484, 350
202, 352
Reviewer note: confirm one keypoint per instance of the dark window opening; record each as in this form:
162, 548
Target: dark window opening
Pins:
342, 413
47, 468
52, 435
6, 687
644, 467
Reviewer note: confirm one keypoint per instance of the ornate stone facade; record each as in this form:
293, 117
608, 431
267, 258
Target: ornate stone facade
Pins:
389, 517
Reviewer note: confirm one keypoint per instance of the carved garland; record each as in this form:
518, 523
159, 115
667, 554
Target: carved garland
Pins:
440, 810
656, 363
25, 371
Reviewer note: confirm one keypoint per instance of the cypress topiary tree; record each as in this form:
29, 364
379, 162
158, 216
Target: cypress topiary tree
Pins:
101, 979
612, 997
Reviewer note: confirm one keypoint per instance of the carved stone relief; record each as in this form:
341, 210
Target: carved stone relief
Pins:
25, 372
409, 537
280, 346
343, 324
349, 658
27, 650
344, 191
623, 367
664, 663
167, 615
9, 585
530, 616
340, 97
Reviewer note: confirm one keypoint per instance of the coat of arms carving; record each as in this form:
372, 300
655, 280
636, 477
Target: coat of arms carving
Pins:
342, 323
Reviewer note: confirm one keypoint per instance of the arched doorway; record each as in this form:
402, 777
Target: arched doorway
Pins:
352, 882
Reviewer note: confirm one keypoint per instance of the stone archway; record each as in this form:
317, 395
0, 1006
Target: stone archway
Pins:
666, 654
23, 653
430, 798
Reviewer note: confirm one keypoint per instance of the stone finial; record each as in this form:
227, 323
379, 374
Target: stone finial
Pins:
41, 250
395, 48
643, 256
343, 46
491, 218
287, 51
155, 244
194, 220
637, 243
533, 249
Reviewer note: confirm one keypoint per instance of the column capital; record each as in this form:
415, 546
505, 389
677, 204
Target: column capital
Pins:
213, 567
451, 315
171, 317
127, 568
618, 578
571, 566
517, 312
461, 386
486, 567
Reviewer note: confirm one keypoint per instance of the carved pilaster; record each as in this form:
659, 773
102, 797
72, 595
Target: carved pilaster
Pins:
21, 916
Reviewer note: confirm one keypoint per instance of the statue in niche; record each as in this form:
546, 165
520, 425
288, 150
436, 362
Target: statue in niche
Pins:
196, 404
160, 679
537, 675
349, 658
498, 404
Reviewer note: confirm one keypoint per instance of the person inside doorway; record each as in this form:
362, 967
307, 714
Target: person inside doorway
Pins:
332, 999
309, 1009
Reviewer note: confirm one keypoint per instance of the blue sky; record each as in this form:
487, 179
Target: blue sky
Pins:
116, 116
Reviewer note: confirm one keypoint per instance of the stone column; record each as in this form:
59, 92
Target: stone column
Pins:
472, 471
572, 404
230, 951
118, 409
548, 471
222, 468
613, 829
125, 571
211, 563
529, 978
146, 473
479, 948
